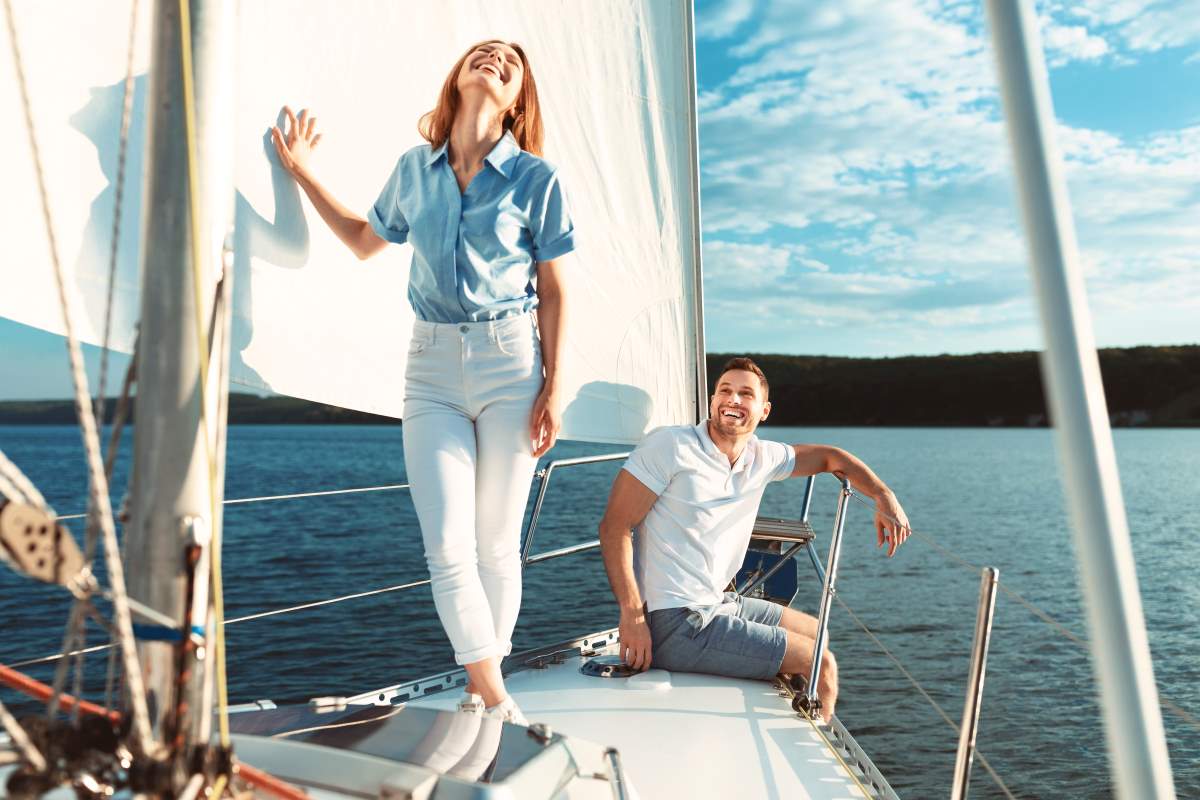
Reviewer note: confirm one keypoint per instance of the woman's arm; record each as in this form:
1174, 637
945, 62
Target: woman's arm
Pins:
546, 419
295, 149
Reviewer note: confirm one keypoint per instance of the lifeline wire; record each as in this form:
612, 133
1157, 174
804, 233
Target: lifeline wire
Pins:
241, 500
97, 483
916, 685
1066, 632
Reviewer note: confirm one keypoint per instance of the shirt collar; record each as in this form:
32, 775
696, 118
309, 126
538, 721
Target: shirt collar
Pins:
501, 156
710, 447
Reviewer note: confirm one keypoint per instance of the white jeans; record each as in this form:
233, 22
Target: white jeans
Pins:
468, 394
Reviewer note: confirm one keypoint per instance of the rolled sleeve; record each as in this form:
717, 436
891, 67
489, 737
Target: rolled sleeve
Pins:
786, 456
551, 225
385, 216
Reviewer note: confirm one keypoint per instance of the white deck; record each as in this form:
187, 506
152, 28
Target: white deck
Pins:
682, 734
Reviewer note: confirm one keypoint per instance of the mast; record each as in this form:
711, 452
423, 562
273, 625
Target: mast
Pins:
1120, 649
176, 486
697, 245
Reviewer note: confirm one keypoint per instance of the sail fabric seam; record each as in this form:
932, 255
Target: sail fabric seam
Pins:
98, 483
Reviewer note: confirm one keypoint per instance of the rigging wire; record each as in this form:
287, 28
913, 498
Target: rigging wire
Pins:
97, 482
917, 685
1066, 632
268, 498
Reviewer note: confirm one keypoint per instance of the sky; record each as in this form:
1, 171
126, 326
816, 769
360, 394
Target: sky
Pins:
857, 191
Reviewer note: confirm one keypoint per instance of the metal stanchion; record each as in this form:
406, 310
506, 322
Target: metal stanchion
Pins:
809, 701
970, 718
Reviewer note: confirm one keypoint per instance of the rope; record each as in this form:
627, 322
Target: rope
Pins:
917, 685
97, 483
121, 415
1062, 629
15, 486
93, 527
15, 732
123, 148
197, 242
834, 750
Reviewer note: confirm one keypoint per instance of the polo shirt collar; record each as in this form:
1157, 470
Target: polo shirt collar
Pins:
710, 447
501, 157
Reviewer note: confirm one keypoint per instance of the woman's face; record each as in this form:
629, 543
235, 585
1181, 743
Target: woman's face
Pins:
494, 69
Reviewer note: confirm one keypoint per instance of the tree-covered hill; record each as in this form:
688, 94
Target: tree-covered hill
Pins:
1144, 386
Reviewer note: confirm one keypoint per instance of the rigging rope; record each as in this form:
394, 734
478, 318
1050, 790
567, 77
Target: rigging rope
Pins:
15, 732
15, 486
97, 482
197, 242
114, 246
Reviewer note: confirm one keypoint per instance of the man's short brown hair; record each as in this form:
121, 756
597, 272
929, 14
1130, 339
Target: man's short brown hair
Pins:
743, 363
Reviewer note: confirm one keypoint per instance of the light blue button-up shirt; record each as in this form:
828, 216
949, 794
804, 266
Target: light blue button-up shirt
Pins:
474, 252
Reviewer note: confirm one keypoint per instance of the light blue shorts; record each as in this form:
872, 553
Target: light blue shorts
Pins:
743, 638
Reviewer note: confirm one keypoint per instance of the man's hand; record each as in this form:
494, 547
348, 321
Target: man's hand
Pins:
891, 523
635, 639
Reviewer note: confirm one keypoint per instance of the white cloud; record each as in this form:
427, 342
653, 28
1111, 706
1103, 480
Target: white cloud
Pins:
1066, 43
870, 134
1139, 25
720, 19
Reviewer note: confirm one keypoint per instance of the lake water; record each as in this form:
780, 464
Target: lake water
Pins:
991, 496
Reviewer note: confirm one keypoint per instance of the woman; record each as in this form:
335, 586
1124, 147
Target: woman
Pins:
488, 223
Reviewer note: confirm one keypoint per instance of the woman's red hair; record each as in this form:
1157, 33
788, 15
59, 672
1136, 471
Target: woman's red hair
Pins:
524, 119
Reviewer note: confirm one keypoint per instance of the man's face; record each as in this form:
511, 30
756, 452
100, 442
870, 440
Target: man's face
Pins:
738, 404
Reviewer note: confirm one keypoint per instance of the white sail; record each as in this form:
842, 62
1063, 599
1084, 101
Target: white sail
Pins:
311, 321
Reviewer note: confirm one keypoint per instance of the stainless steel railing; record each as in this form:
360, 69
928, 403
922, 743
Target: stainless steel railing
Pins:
545, 474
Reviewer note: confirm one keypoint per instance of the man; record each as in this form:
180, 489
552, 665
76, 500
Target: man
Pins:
692, 493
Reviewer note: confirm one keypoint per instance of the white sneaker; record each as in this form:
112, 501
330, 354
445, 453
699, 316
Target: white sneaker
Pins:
507, 711
471, 703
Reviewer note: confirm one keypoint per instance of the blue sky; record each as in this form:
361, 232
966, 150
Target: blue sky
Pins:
857, 186
857, 189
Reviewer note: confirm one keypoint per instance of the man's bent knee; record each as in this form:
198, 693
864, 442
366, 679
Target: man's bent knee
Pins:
799, 655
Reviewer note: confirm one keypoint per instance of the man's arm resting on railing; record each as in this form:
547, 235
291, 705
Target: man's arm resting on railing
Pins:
628, 504
891, 523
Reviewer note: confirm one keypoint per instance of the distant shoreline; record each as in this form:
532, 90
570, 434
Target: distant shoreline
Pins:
1156, 387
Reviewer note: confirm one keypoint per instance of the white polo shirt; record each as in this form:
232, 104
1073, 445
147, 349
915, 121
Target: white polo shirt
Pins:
694, 538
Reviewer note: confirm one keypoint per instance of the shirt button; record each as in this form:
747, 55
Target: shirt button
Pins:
462, 328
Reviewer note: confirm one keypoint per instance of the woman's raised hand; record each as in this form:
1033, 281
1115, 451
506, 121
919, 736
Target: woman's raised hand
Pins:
295, 148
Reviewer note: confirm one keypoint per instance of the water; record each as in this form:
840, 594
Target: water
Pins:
992, 496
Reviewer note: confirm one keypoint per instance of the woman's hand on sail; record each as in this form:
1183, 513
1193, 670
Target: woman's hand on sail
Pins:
296, 146
545, 421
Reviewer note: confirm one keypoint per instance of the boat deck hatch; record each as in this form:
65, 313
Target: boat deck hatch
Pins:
610, 666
